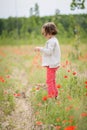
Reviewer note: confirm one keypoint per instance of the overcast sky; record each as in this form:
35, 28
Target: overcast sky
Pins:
46, 7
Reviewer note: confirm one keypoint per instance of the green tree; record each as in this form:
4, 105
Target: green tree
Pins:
1, 26
79, 4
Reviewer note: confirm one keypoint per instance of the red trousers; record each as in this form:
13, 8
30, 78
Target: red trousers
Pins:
51, 82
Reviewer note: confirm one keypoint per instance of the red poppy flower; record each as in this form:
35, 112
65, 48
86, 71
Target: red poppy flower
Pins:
74, 73
18, 94
5, 92
65, 76
86, 86
2, 79
68, 70
38, 123
67, 62
70, 128
70, 121
84, 114
64, 121
44, 98
58, 86
85, 82
37, 88
69, 108
15, 94
58, 127
7, 76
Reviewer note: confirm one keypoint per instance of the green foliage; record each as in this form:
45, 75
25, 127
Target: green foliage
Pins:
79, 4
27, 28
6, 100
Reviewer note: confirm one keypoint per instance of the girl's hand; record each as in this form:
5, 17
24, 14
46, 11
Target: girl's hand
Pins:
37, 48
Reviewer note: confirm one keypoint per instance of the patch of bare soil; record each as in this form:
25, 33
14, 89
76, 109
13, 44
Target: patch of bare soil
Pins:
22, 117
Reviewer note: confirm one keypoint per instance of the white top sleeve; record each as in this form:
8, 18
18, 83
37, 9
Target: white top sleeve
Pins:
48, 50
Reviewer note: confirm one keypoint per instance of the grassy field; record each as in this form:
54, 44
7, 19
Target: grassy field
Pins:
69, 111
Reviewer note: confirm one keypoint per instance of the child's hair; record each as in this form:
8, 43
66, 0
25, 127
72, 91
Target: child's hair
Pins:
49, 28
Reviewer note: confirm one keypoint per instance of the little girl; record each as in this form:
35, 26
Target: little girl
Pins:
50, 56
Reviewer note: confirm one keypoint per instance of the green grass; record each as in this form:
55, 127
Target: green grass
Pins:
32, 39
70, 109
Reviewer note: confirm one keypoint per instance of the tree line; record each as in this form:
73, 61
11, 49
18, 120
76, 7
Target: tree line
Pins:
68, 25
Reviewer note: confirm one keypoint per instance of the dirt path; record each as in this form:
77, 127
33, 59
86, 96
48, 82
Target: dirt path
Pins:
22, 118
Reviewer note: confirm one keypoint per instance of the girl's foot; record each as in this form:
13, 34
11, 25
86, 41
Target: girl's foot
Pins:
56, 97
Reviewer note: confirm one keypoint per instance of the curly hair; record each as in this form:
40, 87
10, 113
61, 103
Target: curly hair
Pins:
49, 28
